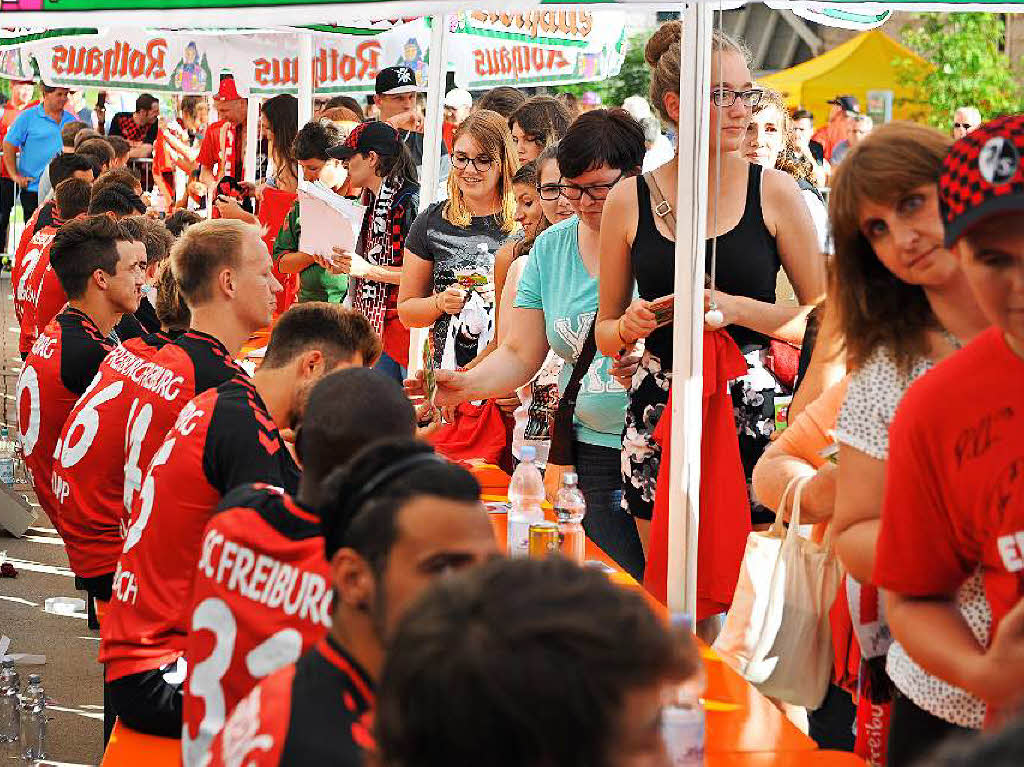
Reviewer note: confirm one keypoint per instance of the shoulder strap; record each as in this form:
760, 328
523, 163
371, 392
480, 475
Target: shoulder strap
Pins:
582, 365
662, 207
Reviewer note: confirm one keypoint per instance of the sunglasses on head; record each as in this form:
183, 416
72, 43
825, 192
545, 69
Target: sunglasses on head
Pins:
965, 126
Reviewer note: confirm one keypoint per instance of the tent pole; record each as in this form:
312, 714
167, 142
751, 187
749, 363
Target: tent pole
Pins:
305, 78
437, 69
688, 329
252, 133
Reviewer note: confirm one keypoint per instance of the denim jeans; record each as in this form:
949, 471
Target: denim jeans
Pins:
606, 523
390, 368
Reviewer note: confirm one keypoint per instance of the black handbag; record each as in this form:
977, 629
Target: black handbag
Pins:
563, 435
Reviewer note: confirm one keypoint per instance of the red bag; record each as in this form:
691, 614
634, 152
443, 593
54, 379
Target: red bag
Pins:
873, 731
480, 432
783, 360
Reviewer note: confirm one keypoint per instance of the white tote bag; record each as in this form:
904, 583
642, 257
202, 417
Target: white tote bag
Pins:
777, 632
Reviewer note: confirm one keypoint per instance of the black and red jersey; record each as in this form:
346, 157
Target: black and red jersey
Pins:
61, 365
145, 384
318, 711
223, 438
261, 597
92, 459
43, 216
27, 288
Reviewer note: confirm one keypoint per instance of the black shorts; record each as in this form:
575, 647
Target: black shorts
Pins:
151, 701
100, 587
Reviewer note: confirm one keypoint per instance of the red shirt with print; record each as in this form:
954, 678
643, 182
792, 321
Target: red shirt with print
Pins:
222, 439
34, 264
954, 490
62, 364
262, 596
223, 150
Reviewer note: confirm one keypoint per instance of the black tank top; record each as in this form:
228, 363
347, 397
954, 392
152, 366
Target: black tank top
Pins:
748, 263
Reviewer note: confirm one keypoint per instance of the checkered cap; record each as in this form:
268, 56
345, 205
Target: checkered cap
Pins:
983, 175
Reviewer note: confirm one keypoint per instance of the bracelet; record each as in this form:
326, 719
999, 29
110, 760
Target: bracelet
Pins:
618, 330
436, 304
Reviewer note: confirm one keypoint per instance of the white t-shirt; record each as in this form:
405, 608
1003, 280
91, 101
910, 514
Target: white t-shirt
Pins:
874, 393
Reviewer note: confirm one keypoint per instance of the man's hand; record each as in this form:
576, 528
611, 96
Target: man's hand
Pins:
410, 121
1002, 681
623, 367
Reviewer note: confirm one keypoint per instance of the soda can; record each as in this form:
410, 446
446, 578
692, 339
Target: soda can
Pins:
544, 540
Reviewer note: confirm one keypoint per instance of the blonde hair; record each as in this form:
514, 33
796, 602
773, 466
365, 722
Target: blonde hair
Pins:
202, 251
490, 131
662, 55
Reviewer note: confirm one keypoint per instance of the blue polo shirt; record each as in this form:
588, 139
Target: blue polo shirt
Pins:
37, 135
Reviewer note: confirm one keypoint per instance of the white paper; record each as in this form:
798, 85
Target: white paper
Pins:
327, 220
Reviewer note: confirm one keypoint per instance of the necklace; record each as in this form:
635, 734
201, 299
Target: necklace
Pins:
955, 342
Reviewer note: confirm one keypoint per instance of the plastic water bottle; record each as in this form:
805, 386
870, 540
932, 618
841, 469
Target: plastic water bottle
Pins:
10, 716
682, 716
7, 457
33, 719
571, 508
526, 494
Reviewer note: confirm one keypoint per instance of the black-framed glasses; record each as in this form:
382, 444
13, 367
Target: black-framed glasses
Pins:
549, 192
595, 192
481, 164
726, 97
965, 126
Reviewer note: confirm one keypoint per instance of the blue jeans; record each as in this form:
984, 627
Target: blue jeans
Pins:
390, 368
600, 479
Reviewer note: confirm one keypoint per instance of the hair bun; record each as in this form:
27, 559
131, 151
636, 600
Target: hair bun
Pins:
668, 34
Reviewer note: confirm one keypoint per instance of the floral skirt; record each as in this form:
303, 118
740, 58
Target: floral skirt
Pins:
641, 454
753, 406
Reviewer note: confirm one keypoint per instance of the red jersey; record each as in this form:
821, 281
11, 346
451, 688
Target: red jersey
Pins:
954, 489
33, 265
145, 384
43, 216
318, 711
222, 439
223, 150
262, 596
60, 367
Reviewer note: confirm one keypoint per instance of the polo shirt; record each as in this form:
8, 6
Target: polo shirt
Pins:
37, 135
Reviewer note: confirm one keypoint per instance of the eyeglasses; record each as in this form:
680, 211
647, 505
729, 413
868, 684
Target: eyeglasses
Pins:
549, 192
965, 126
596, 192
726, 97
481, 164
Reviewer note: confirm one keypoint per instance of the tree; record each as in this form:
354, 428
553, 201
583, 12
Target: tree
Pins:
970, 67
634, 77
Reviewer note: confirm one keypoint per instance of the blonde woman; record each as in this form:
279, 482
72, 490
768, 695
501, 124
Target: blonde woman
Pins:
459, 237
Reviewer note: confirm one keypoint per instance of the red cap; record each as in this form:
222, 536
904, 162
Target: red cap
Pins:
227, 90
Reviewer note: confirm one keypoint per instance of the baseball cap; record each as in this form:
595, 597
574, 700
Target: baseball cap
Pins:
983, 175
227, 90
848, 103
373, 136
394, 80
457, 97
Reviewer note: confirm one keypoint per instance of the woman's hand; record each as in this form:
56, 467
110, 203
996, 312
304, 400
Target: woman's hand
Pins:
229, 208
451, 300
553, 480
724, 303
623, 367
508, 404
638, 322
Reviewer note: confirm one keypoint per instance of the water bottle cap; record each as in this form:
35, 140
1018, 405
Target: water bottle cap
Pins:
35, 679
529, 453
7, 663
570, 478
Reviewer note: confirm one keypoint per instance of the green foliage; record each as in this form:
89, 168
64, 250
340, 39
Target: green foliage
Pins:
970, 68
633, 79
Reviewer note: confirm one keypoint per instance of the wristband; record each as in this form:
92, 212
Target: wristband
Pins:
618, 330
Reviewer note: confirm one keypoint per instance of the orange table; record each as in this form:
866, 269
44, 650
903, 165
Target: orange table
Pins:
128, 748
740, 721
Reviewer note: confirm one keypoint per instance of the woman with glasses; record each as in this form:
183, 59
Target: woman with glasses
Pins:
761, 223
554, 309
460, 236
539, 122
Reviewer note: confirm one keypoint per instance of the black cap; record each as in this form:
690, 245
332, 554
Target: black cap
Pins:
394, 80
373, 136
847, 103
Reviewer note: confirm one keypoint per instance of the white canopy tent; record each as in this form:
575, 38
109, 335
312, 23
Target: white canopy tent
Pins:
693, 160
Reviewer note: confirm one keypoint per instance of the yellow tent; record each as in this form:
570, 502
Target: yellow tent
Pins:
861, 64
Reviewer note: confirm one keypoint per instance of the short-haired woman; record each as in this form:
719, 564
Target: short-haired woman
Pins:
458, 239
554, 309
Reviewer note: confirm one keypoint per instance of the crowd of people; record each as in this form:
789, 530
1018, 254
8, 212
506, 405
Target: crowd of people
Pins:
291, 560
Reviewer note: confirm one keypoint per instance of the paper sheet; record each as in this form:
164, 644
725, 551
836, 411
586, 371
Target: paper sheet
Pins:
328, 220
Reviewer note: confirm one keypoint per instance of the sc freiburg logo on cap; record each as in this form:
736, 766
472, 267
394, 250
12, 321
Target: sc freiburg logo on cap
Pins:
998, 161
